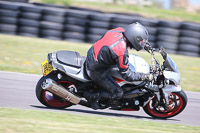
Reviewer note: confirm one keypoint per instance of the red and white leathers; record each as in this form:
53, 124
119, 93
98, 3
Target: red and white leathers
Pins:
110, 50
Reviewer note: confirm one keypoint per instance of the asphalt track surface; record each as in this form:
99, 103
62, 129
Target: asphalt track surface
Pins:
17, 90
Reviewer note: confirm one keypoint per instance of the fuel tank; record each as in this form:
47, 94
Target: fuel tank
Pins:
136, 64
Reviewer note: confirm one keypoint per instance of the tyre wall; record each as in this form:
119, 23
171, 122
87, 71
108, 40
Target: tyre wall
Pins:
86, 25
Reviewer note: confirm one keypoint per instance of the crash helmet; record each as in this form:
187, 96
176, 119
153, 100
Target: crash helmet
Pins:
136, 35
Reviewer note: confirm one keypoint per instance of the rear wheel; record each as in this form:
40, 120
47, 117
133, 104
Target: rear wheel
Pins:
49, 99
177, 103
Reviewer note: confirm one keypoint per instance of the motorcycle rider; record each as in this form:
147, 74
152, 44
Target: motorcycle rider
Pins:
111, 50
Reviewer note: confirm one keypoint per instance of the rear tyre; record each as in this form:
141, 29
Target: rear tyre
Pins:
177, 103
50, 100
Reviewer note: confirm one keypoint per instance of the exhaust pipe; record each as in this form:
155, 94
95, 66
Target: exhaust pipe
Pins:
52, 87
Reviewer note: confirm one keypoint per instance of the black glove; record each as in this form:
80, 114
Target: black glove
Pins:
148, 77
151, 87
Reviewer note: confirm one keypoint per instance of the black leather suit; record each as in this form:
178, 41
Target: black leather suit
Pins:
110, 50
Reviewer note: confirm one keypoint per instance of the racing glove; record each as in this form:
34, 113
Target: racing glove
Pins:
148, 77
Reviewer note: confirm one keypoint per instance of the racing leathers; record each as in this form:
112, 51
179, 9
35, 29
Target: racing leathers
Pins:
110, 50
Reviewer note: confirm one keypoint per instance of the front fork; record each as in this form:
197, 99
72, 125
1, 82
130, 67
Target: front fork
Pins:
163, 97
163, 94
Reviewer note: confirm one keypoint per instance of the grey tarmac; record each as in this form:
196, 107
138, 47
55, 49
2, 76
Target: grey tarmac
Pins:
17, 90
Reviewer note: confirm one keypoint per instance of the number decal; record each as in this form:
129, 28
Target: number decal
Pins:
46, 68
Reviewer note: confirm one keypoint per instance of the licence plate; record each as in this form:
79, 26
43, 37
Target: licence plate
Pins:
46, 68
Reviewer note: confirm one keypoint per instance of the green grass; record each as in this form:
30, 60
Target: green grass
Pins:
151, 12
30, 121
24, 54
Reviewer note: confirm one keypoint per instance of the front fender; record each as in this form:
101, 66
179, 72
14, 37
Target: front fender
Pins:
172, 88
167, 90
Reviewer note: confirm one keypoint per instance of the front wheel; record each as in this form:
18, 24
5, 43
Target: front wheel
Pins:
50, 100
177, 103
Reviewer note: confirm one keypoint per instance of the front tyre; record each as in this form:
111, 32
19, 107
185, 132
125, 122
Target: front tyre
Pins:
177, 103
47, 98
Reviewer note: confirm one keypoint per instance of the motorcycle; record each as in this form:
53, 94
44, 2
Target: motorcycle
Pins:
65, 80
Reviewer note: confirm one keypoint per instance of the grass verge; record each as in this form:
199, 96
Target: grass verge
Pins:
23, 121
25, 54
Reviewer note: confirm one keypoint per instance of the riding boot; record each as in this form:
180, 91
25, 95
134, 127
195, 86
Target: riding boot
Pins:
113, 99
94, 104
105, 95
92, 99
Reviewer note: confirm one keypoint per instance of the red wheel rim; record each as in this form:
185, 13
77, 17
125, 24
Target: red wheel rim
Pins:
165, 114
53, 101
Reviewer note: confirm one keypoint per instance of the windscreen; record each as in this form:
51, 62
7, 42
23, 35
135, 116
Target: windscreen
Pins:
170, 65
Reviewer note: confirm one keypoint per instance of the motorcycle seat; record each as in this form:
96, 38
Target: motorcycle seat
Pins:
69, 58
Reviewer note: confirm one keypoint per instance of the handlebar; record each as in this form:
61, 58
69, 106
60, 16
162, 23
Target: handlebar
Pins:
155, 65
